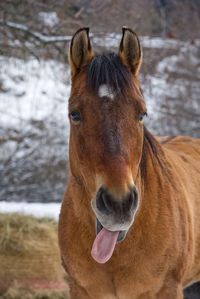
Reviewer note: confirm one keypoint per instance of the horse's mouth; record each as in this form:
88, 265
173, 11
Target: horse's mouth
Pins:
121, 236
104, 243
111, 228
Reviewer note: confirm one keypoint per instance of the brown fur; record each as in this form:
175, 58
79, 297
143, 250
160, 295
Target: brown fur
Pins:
161, 252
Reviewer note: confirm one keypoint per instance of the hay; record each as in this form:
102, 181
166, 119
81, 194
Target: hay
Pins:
29, 254
16, 230
17, 292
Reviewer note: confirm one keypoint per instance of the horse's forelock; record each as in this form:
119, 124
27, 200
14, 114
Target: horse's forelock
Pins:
108, 70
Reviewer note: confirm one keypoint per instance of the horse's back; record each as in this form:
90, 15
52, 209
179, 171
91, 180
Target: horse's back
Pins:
184, 152
181, 144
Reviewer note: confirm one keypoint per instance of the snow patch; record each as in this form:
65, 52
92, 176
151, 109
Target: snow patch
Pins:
49, 18
39, 210
34, 90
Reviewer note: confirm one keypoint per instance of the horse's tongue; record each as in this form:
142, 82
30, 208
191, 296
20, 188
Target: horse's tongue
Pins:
104, 245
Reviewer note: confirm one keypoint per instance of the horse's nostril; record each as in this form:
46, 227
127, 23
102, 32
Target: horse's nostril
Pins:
101, 203
134, 193
129, 200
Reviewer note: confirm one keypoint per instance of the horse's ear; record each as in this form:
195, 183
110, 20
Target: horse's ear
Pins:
80, 52
130, 51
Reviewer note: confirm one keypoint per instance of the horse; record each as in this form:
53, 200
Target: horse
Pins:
129, 225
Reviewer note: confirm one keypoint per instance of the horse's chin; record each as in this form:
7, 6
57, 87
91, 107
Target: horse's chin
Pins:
121, 235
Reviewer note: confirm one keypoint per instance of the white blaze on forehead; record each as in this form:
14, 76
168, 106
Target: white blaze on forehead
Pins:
105, 91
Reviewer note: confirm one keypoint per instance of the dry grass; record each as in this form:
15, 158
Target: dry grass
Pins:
17, 292
19, 232
30, 258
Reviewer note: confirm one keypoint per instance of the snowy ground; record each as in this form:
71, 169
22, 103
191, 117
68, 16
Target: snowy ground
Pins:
39, 210
34, 129
32, 90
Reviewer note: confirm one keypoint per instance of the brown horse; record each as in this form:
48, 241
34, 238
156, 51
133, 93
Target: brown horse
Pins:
126, 186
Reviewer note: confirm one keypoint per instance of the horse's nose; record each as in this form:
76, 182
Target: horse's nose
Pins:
107, 204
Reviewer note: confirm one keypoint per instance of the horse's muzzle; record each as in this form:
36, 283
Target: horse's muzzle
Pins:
115, 214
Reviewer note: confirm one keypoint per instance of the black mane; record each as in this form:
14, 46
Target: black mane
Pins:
108, 69
153, 149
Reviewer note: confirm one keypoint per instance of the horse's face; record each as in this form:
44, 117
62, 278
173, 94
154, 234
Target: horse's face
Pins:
106, 113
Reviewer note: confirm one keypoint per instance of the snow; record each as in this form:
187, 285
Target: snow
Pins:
161, 43
176, 63
176, 77
49, 18
34, 90
39, 210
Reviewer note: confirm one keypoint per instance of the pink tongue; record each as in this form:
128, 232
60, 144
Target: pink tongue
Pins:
104, 245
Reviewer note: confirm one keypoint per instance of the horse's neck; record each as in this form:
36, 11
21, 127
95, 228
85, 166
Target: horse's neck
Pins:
155, 190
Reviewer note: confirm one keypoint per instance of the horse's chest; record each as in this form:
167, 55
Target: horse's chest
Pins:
116, 279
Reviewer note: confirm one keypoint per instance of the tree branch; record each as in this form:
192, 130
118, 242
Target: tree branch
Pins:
39, 36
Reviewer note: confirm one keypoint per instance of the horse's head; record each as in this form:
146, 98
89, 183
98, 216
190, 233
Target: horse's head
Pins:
106, 111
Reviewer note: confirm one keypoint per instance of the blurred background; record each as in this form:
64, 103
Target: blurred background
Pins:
35, 85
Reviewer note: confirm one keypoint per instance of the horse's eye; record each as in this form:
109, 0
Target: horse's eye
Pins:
75, 116
142, 116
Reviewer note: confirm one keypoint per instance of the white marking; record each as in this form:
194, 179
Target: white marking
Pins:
105, 91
